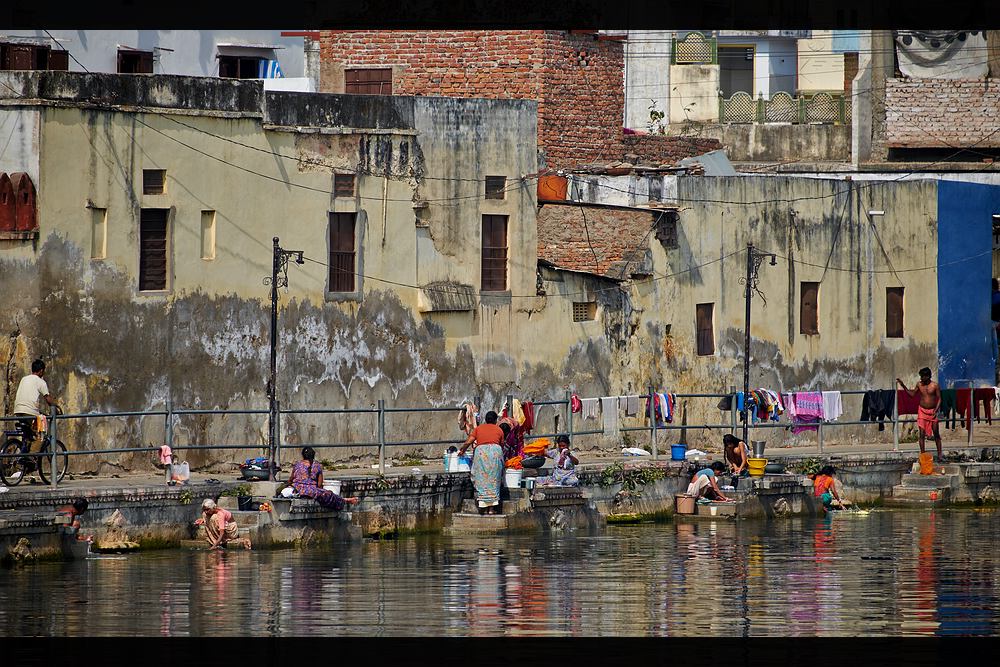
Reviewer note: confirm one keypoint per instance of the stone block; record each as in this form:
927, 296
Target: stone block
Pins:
265, 489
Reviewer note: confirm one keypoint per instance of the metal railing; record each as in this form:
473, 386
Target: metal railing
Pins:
383, 443
827, 108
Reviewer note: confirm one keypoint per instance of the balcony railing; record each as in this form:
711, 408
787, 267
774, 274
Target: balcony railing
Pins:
803, 109
694, 49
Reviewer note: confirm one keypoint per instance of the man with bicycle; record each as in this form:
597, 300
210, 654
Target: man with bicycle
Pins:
31, 388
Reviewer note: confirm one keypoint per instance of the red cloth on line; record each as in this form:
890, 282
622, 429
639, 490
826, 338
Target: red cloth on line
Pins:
529, 416
906, 404
963, 397
985, 397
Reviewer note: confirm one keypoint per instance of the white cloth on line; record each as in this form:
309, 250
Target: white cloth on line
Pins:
833, 405
609, 415
588, 408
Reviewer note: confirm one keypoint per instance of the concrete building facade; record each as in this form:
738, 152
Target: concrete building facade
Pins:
142, 281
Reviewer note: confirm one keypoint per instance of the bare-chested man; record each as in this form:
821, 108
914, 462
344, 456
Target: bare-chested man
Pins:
927, 413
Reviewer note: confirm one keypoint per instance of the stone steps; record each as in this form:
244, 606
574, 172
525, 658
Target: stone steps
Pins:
474, 523
920, 495
929, 481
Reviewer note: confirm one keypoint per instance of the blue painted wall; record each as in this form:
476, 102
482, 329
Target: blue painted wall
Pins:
965, 266
846, 41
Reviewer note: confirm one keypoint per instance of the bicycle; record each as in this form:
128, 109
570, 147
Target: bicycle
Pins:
14, 468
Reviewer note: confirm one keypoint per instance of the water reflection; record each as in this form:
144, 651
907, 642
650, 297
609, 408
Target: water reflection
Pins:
885, 573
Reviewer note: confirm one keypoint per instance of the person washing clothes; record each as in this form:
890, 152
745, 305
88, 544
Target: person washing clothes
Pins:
704, 485
564, 473
736, 452
825, 488
220, 528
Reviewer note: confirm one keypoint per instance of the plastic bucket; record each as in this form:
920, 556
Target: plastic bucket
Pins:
684, 504
757, 466
552, 187
333, 485
512, 478
678, 452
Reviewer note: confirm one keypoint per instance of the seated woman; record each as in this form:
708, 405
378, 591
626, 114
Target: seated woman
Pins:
220, 529
73, 513
563, 474
487, 463
704, 485
736, 452
307, 480
825, 488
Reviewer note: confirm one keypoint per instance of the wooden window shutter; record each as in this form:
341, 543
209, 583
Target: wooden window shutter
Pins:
146, 62
495, 187
809, 309
22, 56
153, 249
343, 185
704, 328
343, 253
59, 60
368, 81
494, 258
894, 312
153, 181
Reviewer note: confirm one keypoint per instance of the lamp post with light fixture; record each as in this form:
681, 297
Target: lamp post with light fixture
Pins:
754, 259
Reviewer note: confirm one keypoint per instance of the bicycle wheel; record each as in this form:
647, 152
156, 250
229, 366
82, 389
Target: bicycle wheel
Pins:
12, 469
45, 465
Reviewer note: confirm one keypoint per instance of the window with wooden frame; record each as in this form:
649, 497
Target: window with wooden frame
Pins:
496, 187
705, 328
17, 56
343, 185
809, 308
153, 249
368, 81
893, 312
494, 262
154, 181
343, 253
240, 67
584, 311
131, 61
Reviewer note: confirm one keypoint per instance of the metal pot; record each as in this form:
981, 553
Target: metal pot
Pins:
774, 468
758, 448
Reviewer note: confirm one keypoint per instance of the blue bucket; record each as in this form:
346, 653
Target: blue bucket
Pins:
677, 452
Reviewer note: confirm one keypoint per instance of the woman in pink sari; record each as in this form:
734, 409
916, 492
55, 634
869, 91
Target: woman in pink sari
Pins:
307, 480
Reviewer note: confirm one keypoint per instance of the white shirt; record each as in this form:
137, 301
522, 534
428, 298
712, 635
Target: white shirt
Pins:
29, 391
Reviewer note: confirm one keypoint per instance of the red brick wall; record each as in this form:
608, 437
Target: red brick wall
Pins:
656, 149
951, 112
576, 80
615, 235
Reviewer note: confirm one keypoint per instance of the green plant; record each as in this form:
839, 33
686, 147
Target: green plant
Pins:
655, 124
411, 459
631, 477
381, 483
241, 490
185, 497
809, 466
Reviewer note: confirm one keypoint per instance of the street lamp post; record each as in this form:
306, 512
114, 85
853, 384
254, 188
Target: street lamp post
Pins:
278, 278
754, 259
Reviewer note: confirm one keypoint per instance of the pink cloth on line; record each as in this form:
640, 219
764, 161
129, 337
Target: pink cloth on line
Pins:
166, 456
808, 411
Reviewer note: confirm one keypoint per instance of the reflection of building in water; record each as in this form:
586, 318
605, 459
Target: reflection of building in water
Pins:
486, 598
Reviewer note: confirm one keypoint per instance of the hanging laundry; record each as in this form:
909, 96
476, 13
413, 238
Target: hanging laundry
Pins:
808, 411
517, 412
529, 416
833, 405
725, 403
589, 408
948, 407
467, 418
877, 405
789, 405
665, 414
609, 416
575, 404
632, 406
984, 397
906, 404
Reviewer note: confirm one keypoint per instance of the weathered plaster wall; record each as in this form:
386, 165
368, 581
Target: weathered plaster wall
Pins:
753, 142
810, 224
694, 93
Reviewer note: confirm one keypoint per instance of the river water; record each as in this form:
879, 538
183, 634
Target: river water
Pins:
880, 573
